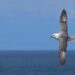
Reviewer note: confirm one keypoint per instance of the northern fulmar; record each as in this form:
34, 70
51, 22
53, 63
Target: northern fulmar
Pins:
63, 37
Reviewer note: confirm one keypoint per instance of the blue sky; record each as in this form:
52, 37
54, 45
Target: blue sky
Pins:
28, 24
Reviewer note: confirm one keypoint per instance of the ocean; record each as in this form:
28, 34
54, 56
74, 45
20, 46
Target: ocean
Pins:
35, 63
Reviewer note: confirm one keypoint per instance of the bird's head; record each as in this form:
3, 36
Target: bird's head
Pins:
55, 35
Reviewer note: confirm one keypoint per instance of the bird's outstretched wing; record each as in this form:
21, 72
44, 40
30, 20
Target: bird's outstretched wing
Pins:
63, 22
62, 50
63, 39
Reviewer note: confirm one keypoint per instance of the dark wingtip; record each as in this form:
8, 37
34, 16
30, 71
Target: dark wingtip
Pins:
62, 63
63, 12
63, 16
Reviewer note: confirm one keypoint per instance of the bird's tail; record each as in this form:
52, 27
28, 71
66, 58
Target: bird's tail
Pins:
71, 38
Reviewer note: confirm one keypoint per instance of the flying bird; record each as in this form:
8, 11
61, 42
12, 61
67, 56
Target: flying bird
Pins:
63, 37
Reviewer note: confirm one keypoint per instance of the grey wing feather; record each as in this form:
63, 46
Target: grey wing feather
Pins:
63, 22
64, 27
62, 44
62, 49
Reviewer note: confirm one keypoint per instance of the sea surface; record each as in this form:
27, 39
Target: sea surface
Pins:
35, 63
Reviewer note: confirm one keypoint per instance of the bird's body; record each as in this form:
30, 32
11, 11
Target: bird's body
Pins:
57, 36
63, 37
